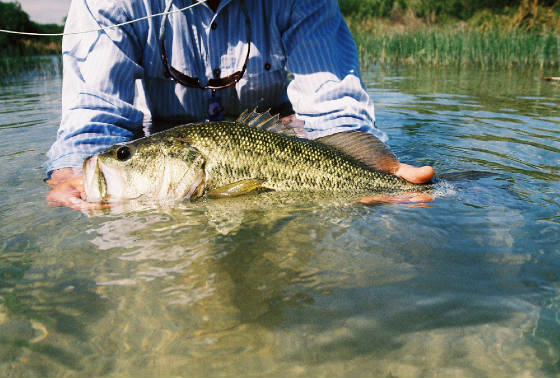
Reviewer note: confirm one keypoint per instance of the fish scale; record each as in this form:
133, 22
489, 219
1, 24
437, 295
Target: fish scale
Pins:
215, 157
235, 152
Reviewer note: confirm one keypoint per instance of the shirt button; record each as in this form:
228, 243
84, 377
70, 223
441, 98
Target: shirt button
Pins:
217, 72
214, 26
267, 66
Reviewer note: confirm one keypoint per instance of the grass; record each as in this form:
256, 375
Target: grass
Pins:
14, 68
525, 14
493, 34
436, 33
457, 46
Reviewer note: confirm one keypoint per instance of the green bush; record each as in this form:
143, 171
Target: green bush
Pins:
433, 10
460, 9
12, 17
366, 8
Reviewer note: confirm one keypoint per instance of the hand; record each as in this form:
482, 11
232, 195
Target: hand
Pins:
415, 175
67, 189
409, 199
295, 124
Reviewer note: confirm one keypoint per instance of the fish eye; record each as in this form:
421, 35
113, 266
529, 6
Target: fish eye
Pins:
123, 153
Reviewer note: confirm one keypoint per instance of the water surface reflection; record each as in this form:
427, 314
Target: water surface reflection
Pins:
285, 284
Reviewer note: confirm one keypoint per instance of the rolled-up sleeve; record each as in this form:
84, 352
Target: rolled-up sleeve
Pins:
100, 69
326, 91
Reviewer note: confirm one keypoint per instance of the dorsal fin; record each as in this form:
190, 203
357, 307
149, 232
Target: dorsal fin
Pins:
269, 122
258, 120
364, 147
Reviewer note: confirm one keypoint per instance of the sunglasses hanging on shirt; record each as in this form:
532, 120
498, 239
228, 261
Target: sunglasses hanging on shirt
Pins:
215, 108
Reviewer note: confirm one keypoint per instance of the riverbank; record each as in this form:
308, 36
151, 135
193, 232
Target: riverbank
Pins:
13, 69
453, 46
433, 33
14, 18
456, 33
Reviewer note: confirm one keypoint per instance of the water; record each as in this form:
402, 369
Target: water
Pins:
288, 285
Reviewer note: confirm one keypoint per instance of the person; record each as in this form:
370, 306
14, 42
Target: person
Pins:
213, 60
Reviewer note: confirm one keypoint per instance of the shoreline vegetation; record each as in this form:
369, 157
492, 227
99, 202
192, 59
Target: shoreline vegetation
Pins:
481, 34
20, 53
12, 17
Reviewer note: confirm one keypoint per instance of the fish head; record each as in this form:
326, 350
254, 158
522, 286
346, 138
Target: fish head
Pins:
161, 168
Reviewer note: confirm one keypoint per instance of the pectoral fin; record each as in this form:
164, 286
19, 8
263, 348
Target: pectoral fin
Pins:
237, 188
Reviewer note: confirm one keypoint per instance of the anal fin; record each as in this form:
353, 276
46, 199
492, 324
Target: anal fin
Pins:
238, 188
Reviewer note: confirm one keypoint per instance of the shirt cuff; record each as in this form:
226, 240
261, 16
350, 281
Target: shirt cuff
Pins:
75, 160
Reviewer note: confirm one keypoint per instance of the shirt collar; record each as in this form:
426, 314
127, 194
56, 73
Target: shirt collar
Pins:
223, 3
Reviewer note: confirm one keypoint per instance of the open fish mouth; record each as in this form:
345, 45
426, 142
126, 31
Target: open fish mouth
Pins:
94, 179
197, 187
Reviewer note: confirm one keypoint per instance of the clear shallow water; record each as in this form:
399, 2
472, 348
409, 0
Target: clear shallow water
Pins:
283, 285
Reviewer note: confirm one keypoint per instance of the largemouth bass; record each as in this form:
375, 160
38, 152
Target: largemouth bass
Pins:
221, 159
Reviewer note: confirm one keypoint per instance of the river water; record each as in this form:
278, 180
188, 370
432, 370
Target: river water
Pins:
290, 285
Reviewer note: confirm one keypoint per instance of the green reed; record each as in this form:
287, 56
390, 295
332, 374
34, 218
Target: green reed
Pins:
457, 48
13, 68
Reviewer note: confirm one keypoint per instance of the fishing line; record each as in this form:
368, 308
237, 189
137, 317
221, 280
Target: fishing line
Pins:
107, 27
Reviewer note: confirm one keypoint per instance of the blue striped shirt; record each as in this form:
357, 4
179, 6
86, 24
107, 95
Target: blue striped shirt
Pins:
114, 83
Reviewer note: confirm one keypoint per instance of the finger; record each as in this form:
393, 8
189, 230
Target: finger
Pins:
79, 204
59, 195
414, 199
415, 175
77, 183
73, 201
64, 178
63, 174
58, 198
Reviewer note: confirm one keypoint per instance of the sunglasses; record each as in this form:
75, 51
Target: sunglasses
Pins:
194, 82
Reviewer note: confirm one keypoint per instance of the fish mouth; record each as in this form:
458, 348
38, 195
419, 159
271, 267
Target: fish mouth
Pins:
197, 187
94, 179
111, 183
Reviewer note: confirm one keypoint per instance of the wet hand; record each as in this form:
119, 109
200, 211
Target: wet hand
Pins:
415, 175
408, 199
412, 174
67, 189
